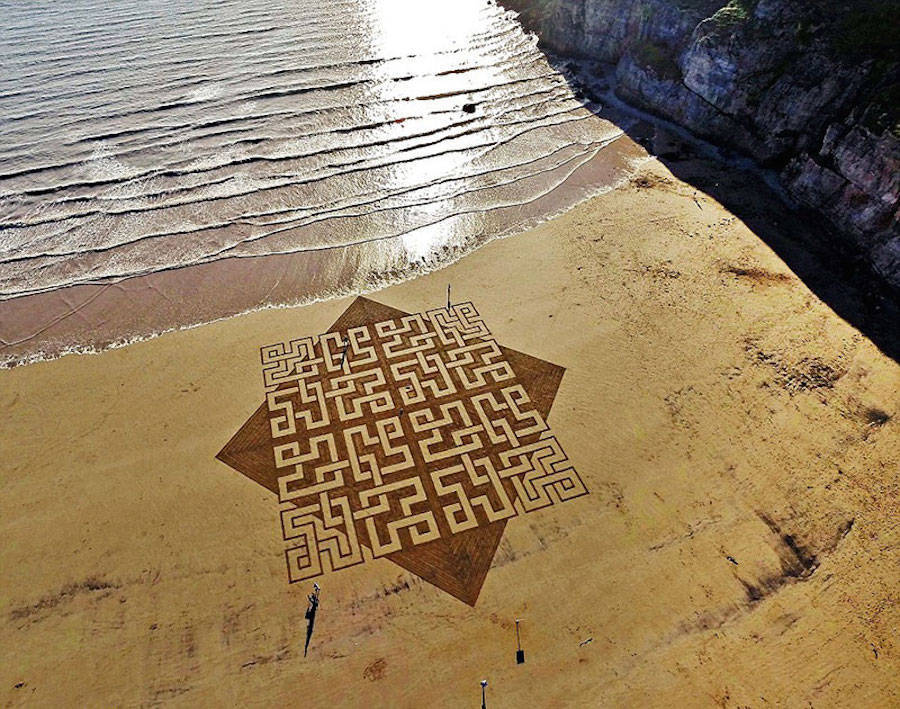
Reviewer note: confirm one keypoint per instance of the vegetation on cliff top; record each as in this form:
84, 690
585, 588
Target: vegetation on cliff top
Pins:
861, 32
734, 13
854, 32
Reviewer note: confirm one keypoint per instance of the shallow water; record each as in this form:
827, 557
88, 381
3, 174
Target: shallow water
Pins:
141, 137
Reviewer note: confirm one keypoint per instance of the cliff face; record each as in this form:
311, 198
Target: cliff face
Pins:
806, 88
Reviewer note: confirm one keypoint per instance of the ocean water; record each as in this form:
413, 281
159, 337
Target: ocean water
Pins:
376, 137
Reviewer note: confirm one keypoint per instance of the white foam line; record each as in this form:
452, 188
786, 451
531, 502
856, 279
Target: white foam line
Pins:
377, 281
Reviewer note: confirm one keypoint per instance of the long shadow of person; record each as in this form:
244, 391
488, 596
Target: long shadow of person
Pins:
313, 599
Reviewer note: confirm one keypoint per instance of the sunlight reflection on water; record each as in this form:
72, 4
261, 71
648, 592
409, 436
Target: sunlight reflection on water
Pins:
372, 138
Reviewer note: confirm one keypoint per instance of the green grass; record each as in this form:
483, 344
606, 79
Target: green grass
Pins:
733, 14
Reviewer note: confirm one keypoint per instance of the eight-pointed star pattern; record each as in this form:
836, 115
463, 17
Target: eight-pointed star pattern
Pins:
409, 436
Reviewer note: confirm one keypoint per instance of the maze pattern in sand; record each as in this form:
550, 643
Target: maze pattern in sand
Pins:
400, 432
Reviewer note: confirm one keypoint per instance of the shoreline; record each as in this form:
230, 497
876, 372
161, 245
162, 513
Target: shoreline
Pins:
120, 313
816, 115
736, 435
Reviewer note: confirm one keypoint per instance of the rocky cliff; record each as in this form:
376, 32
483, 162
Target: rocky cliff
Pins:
810, 89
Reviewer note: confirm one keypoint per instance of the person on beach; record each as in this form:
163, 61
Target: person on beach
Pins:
311, 609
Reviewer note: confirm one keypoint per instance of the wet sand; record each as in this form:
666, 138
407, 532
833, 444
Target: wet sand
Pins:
303, 151
739, 545
95, 316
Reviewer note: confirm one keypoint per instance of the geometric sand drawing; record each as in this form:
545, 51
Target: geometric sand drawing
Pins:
413, 437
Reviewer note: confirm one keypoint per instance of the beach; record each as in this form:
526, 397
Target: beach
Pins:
738, 544
305, 152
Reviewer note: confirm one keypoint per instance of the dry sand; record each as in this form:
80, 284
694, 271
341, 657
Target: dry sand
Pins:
739, 546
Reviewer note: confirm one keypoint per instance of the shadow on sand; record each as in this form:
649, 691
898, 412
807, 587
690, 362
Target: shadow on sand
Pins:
817, 255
